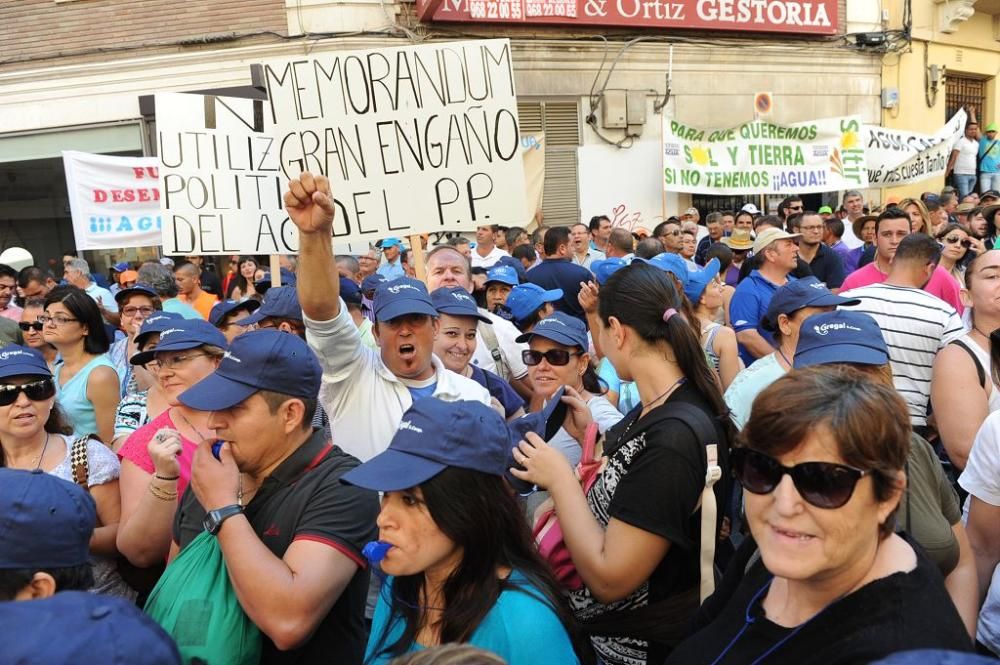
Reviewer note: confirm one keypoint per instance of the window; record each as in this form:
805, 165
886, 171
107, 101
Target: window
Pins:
560, 121
964, 91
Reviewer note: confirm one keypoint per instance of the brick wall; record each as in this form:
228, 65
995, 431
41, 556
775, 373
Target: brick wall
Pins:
35, 31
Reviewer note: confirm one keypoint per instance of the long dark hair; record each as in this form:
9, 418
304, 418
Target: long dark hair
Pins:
638, 295
85, 310
238, 279
480, 514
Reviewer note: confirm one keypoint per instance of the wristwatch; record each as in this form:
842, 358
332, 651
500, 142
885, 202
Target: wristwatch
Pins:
214, 519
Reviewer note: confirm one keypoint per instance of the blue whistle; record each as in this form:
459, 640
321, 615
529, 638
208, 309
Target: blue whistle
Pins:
216, 447
375, 551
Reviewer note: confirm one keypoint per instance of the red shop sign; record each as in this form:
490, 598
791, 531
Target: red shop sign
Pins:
816, 17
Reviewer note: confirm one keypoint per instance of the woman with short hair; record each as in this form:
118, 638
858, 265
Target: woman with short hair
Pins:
822, 462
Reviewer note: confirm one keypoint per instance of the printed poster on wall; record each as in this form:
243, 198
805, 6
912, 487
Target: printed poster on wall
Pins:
621, 184
414, 139
761, 157
898, 157
114, 201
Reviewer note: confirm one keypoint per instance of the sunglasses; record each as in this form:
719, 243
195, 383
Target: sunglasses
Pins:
557, 357
33, 325
36, 391
951, 240
822, 484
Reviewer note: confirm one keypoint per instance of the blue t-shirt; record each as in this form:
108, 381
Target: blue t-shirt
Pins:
990, 160
499, 389
422, 391
749, 306
521, 628
566, 275
628, 393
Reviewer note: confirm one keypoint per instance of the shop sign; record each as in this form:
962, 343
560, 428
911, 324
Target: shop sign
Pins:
761, 157
415, 139
817, 17
114, 201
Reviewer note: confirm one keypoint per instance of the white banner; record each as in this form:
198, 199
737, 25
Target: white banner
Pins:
114, 201
897, 157
414, 139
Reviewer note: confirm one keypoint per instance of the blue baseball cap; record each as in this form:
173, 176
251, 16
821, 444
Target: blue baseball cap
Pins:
371, 282
698, 280
526, 299
504, 275
45, 521
22, 361
605, 268
390, 242
669, 262
350, 292
258, 360
516, 264
840, 336
799, 293
264, 283
85, 629
560, 328
457, 302
221, 310
401, 297
157, 322
140, 288
121, 266
432, 436
281, 302
181, 335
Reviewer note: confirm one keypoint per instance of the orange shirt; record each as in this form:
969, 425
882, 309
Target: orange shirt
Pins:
203, 303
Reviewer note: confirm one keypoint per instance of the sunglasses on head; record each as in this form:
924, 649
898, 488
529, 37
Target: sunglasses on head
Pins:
951, 240
36, 391
33, 325
821, 484
557, 357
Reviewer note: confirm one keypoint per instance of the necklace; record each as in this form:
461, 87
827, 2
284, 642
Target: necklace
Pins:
784, 357
41, 455
189, 424
976, 328
646, 405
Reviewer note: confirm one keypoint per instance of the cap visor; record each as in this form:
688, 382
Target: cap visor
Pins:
477, 315
393, 470
840, 353
394, 310
832, 300
255, 317
215, 393
554, 335
552, 296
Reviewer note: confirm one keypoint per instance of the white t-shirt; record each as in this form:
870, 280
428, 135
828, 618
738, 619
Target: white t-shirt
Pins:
510, 350
488, 260
968, 154
981, 479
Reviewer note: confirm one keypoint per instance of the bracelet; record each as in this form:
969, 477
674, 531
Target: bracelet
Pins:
166, 478
161, 494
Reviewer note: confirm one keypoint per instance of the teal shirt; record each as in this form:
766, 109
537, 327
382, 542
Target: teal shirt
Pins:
990, 161
177, 307
72, 397
521, 628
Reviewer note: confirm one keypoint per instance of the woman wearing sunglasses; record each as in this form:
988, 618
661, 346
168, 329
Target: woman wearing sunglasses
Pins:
822, 464
31, 330
463, 566
88, 383
156, 460
958, 247
35, 436
635, 537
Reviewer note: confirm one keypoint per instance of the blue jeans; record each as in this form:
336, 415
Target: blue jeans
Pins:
964, 184
988, 181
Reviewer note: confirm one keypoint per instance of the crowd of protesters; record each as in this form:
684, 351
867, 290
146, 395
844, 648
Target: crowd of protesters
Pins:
741, 440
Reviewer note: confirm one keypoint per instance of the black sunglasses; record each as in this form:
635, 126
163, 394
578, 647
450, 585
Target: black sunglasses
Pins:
33, 325
822, 484
36, 391
557, 357
951, 240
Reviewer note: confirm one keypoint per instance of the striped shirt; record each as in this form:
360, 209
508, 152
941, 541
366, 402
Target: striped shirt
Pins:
915, 325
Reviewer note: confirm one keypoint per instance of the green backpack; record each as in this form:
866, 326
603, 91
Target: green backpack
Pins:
196, 604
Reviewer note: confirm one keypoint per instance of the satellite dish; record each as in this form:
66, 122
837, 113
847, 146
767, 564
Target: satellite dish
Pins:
17, 258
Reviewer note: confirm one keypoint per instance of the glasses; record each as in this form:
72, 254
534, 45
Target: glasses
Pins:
45, 319
797, 208
557, 357
36, 391
30, 325
132, 311
171, 363
822, 484
951, 240
670, 233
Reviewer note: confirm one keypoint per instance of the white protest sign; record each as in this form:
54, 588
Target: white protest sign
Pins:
622, 184
414, 139
760, 157
114, 201
897, 157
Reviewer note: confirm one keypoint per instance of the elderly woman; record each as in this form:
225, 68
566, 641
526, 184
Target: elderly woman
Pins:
34, 436
822, 463
453, 539
156, 459
135, 305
